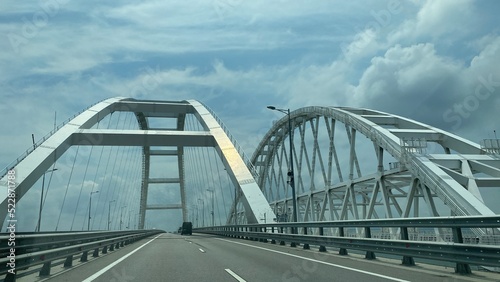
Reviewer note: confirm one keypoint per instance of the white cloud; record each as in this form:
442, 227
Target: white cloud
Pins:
438, 20
422, 62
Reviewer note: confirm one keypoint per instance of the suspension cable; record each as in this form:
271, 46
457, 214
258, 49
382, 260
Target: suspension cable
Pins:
67, 187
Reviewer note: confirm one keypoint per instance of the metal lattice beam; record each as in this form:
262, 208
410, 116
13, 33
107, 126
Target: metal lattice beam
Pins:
454, 177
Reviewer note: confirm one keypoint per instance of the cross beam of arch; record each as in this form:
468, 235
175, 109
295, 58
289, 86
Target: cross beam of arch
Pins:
80, 131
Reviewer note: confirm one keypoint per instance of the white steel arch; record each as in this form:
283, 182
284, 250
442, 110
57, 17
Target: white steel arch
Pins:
344, 192
78, 132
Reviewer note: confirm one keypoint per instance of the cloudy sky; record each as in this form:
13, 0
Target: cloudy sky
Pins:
435, 61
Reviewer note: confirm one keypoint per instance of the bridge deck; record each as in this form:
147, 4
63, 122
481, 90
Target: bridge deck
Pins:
171, 257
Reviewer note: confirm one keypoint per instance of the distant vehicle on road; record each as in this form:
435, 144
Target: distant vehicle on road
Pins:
187, 228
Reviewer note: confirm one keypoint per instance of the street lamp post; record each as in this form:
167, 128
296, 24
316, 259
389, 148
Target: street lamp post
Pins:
121, 217
290, 171
212, 212
109, 212
90, 207
202, 212
128, 226
41, 200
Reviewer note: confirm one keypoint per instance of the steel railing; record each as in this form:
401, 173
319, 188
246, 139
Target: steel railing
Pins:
333, 234
32, 249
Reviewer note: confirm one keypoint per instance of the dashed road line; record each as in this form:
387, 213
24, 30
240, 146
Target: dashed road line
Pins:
318, 261
236, 276
101, 272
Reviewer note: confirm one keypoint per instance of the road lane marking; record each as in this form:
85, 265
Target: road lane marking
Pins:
318, 261
101, 272
236, 276
201, 250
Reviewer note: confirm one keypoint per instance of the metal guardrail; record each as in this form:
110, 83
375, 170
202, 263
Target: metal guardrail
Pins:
32, 249
457, 251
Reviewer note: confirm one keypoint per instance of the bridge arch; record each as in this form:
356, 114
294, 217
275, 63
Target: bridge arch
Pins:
79, 131
331, 189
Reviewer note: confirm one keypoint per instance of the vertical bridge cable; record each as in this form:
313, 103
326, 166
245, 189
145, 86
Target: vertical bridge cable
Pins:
111, 188
47, 191
209, 182
130, 199
190, 181
99, 194
67, 187
106, 198
98, 165
198, 175
113, 182
69, 180
81, 188
221, 188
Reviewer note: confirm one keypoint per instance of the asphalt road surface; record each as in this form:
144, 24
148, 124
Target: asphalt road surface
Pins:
171, 257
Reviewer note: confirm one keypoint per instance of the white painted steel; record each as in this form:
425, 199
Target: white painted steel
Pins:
78, 132
454, 176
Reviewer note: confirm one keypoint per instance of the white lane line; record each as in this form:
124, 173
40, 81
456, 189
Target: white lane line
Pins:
318, 261
236, 276
101, 272
201, 250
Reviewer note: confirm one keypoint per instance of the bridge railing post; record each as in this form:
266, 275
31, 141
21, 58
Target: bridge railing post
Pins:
306, 246
45, 271
321, 233
407, 260
282, 243
342, 251
461, 268
368, 234
272, 231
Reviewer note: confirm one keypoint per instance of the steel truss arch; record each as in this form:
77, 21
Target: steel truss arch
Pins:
454, 176
78, 131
